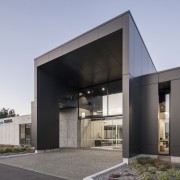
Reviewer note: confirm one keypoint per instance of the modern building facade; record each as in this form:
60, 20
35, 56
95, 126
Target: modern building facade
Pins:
15, 130
102, 89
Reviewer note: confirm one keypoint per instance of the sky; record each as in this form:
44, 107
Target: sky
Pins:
29, 28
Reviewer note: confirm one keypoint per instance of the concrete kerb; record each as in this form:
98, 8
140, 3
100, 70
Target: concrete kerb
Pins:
104, 171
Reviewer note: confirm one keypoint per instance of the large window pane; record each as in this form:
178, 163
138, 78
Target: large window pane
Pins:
115, 98
163, 121
85, 103
100, 100
104, 132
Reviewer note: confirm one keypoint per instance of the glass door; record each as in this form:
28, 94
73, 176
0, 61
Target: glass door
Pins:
105, 133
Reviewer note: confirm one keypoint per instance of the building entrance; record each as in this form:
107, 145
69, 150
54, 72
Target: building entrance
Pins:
102, 133
100, 113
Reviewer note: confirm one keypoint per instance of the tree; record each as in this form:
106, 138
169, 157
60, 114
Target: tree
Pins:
4, 113
11, 113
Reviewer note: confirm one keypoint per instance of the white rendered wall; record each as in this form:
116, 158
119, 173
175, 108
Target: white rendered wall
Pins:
9, 132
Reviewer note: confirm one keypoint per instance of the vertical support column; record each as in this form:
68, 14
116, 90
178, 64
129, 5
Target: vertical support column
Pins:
125, 82
125, 116
34, 111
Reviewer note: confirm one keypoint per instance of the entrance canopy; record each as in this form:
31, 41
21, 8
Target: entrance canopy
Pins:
95, 63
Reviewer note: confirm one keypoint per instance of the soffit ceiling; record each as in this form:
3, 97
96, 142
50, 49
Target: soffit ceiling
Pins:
95, 63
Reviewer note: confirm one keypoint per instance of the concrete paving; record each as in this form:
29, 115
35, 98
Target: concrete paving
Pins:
11, 173
72, 164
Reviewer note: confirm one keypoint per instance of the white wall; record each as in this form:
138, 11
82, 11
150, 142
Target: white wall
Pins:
9, 132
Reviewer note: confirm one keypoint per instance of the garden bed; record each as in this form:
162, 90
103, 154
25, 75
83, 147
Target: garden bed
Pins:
144, 168
6, 150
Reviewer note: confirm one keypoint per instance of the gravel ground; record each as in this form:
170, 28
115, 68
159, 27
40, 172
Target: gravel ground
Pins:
70, 164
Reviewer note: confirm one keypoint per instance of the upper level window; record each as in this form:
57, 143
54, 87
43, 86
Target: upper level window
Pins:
101, 100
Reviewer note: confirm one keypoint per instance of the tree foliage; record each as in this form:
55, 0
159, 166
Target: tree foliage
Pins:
4, 113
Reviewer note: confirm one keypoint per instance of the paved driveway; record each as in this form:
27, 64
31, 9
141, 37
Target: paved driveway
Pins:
12, 173
72, 164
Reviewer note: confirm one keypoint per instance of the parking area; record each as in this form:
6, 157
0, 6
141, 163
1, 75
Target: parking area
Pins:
72, 164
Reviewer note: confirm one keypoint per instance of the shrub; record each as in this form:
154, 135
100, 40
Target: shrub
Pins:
152, 170
157, 163
146, 176
134, 163
2, 150
141, 169
7, 150
163, 176
163, 167
13, 149
171, 172
177, 175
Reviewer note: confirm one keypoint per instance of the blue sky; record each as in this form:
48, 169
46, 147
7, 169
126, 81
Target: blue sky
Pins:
29, 28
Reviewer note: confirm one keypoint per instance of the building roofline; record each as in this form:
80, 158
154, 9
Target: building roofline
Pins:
15, 117
127, 12
163, 71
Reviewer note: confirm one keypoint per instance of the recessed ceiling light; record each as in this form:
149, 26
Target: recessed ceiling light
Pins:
88, 92
80, 94
103, 89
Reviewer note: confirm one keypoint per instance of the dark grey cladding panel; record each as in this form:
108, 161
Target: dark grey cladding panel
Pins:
51, 92
150, 79
137, 54
150, 149
140, 62
110, 27
95, 63
131, 47
47, 112
175, 118
88, 38
68, 47
144, 60
149, 119
169, 75
134, 116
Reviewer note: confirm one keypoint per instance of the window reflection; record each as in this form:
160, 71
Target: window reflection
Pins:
115, 98
101, 133
101, 100
163, 120
85, 103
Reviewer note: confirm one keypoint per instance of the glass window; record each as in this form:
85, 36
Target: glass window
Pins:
28, 133
100, 100
25, 133
163, 121
102, 132
115, 98
22, 134
85, 103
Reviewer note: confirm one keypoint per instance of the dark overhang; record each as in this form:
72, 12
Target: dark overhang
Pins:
94, 63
